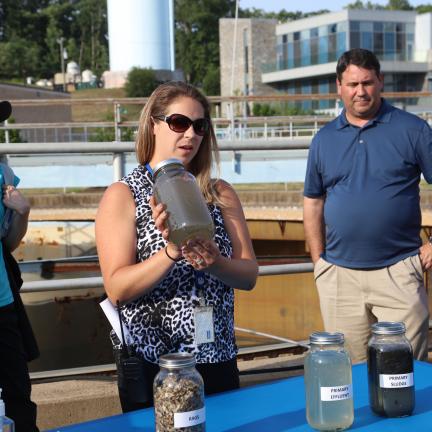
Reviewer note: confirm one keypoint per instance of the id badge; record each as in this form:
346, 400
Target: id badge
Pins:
204, 328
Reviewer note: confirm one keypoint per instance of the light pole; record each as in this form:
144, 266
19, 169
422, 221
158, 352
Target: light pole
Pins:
60, 42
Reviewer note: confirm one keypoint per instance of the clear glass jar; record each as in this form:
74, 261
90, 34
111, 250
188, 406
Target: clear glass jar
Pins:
390, 370
178, 392
328, 383
188, 214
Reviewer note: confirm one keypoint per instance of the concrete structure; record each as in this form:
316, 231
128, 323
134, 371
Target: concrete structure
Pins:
303, 59
240, 63
141, 34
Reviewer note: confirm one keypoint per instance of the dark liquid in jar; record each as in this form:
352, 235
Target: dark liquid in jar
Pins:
390, 402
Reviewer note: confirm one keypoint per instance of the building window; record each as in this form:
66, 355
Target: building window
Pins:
305, 53
314, 50
323, 50
323, 88
388, 40
354, 26
389, 46
355, 39
341, 44
290, 55
306, 88
246, 51
378, 44
367, 40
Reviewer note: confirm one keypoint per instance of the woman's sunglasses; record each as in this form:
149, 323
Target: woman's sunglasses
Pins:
180, 123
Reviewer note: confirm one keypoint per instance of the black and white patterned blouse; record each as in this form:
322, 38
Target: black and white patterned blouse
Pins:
163, 321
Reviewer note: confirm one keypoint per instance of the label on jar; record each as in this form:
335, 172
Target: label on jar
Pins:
336, 393
189, 418
396, 381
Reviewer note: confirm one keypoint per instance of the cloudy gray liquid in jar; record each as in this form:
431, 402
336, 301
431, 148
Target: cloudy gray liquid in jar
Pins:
188, 217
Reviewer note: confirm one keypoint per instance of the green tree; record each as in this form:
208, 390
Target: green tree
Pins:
211, 82
281, 16
18, 58
399, 5
358, 4
197, 38
140, 82
40, 23
90, 30
423, 8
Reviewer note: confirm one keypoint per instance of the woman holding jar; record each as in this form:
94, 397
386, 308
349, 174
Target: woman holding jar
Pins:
173, 295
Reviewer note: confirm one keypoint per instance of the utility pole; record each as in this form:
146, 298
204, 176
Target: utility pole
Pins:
60, 42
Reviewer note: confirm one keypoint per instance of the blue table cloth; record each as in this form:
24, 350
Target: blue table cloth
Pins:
280, 406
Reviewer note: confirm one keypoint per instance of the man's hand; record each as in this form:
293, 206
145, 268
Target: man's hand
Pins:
426, 256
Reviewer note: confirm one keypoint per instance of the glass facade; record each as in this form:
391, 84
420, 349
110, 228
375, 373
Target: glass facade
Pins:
322, 85
390, 41
393, 82
313, 46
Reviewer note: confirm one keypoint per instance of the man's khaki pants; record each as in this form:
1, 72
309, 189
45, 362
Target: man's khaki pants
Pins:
352, 300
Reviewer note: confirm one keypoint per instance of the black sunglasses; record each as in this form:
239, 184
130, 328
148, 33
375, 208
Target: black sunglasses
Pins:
180, 123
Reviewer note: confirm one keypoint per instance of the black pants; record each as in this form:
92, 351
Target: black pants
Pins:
14, 375
218, 377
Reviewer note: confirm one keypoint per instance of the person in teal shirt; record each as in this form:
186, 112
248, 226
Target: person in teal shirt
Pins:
14, 375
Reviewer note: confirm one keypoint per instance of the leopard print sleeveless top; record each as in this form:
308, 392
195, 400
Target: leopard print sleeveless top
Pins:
162, 321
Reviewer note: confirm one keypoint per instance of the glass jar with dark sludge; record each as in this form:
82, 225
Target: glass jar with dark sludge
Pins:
390, 370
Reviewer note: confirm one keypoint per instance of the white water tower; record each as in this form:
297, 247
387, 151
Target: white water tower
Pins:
141, 34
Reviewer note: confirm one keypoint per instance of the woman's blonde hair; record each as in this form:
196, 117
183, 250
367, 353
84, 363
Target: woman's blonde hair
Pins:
208, 152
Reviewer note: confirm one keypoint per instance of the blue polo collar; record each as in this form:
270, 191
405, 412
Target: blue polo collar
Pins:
383, 116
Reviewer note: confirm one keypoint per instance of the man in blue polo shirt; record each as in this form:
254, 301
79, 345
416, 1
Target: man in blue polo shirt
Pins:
362, 216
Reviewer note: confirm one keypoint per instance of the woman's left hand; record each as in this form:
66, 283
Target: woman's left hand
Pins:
160, 216
200, 253
14, 199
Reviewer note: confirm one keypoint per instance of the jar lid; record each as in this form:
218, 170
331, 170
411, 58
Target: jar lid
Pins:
388, 328
326, 338
166, 162
177, 360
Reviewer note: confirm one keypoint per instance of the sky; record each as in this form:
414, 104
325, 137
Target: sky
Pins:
308, 5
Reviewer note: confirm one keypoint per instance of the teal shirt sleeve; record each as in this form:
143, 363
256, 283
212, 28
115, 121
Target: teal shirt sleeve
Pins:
6, 296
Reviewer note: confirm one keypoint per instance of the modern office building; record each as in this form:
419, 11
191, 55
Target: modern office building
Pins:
306, 50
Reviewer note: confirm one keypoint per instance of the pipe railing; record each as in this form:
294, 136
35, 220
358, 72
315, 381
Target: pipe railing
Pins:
108, 147
97, 281
238, 129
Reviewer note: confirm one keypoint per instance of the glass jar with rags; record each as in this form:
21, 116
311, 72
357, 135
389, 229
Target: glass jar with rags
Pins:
390, 370
178, 392
328, 383
188, 214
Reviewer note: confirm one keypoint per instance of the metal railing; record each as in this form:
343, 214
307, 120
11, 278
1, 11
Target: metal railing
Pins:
97, 281
119, 149
233, 126
237, 129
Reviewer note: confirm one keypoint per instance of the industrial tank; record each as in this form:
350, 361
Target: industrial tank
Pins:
141, 34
